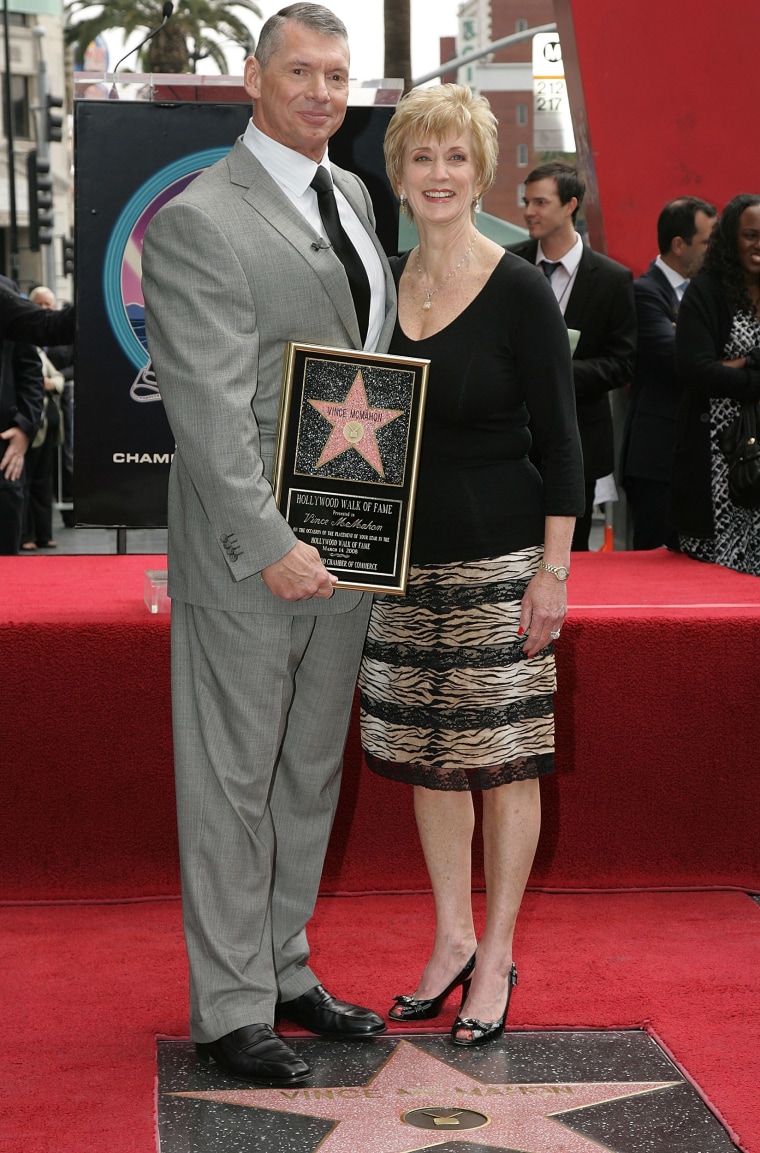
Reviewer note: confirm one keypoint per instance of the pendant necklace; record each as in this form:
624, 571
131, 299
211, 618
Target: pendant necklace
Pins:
429, 301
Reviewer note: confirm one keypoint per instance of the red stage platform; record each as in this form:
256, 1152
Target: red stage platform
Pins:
656, 750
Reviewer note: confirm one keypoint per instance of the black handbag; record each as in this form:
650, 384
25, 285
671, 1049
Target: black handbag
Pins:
740, 444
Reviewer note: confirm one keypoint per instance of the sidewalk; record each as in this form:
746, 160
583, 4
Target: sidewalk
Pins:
84, 541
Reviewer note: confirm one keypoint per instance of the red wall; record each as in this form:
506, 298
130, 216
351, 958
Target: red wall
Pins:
663, 94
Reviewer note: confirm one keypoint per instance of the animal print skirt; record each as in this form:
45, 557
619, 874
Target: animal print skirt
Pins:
448, 700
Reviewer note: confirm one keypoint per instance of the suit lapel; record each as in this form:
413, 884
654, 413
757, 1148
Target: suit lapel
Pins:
527, 249
666, 288
268, 201
582, 292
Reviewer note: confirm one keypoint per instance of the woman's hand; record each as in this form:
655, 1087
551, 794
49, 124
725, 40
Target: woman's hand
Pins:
544, 607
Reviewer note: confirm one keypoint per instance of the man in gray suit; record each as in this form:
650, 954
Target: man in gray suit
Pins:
264, 651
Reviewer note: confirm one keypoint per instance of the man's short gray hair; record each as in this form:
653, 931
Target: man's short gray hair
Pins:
312, 16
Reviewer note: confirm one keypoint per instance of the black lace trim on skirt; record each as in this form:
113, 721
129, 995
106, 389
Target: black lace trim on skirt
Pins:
462, 780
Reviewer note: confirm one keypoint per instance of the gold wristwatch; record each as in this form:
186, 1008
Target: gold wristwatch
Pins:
559, 571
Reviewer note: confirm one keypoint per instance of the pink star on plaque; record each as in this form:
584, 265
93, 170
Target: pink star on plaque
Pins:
354, 423
414, 1091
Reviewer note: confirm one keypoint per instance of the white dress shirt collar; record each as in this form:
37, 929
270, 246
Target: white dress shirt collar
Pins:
569, 261
674, 279
563, 277
290, 169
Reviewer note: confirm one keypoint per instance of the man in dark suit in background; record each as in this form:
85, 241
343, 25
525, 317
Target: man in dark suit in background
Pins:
21, 397
595, 295
684, 228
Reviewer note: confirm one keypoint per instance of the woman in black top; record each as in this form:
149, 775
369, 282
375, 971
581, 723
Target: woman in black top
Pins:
458, 675
718, 351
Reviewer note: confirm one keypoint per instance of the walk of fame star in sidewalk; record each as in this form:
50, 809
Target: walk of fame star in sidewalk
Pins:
531, 1093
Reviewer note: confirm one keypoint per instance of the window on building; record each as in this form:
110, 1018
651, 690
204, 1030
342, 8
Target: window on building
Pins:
522, 155
20, 106
521, 24
521, 114
520, 195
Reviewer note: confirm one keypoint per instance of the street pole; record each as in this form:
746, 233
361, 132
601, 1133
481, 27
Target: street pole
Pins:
13, 231
43, 152
460, 61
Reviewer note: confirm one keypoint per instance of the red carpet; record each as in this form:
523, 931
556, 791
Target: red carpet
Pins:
655, 788
656, 750
86, 989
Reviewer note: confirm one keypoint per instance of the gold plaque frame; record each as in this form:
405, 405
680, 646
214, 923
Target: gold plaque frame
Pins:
346, 459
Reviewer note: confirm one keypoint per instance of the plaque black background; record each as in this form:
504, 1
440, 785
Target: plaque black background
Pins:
357, 479
118, 147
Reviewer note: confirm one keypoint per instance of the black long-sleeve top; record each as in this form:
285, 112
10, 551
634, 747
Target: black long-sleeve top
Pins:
504, 361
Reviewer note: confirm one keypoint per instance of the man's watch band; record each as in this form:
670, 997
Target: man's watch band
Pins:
559, 571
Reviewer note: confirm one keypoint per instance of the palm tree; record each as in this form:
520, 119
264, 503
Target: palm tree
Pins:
398, 57
181, 42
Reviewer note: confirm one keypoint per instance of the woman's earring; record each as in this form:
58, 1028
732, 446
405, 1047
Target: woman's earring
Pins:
402, 202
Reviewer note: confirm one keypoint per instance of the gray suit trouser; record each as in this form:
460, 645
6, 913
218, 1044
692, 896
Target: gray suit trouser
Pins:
261, 707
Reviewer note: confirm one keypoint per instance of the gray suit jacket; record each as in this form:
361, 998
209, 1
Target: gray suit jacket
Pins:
229, 276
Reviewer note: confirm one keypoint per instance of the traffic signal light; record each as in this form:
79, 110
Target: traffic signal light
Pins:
53, 122
68, 255
40, 200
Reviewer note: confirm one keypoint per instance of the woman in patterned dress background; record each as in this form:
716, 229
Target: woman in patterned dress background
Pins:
458, 675
718, 350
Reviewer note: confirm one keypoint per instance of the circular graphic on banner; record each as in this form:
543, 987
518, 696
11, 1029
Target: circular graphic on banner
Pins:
122, 268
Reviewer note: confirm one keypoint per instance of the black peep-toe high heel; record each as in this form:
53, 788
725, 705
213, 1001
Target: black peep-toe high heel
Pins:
408, 1008
481, 1032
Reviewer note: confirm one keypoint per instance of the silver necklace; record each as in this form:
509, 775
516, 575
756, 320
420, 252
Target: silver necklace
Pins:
429, 301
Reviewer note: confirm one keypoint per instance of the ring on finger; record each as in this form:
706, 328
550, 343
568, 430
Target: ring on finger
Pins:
554, 634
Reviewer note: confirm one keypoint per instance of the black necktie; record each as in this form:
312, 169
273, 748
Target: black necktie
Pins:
548, 268
356, 272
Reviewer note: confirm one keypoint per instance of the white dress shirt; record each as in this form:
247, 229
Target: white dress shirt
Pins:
563, 278
293, 173
674, 279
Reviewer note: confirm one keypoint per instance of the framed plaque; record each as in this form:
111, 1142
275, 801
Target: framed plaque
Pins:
345, 468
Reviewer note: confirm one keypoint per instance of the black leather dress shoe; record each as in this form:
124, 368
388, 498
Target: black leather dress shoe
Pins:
255, 1053
320, 1013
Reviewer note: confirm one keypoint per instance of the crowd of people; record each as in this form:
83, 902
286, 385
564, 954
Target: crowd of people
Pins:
275, 243
682, 339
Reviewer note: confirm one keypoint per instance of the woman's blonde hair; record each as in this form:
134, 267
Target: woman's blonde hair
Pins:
435, 114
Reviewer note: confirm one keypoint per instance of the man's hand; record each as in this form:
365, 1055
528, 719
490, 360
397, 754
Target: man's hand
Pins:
299, 575
12, 463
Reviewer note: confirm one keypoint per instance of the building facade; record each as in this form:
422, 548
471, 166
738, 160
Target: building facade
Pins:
506, 78
37, 57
